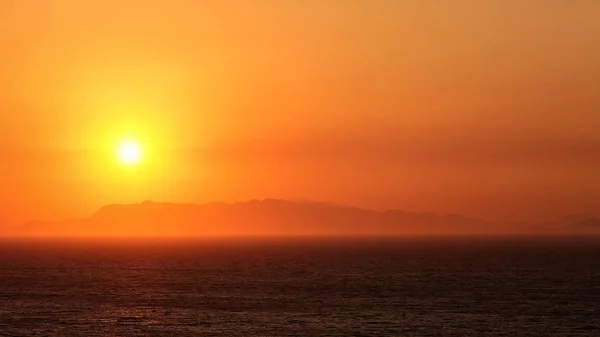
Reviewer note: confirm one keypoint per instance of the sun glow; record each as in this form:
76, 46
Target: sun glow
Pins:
130, 152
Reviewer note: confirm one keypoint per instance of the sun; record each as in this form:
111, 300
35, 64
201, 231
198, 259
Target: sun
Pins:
130, 152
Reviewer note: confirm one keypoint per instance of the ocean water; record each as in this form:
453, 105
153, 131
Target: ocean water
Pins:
301, 287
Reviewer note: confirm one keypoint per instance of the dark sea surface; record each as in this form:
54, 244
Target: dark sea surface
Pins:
301, 287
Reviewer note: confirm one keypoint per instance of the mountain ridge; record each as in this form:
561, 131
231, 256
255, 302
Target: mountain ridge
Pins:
278, 217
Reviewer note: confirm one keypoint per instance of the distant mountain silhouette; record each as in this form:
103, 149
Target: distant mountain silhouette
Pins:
576, 224
277, 217
256, 217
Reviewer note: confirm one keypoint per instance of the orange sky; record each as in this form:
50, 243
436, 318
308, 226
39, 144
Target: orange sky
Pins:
487, 108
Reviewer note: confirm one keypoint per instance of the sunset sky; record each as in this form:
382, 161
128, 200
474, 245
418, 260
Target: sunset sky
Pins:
486, 108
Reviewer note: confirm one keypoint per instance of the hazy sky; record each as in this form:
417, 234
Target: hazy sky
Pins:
488, 108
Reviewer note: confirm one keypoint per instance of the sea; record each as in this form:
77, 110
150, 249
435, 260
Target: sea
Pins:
401, 286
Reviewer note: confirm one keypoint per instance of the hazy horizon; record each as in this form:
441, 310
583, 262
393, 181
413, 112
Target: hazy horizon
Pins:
283, 218
307, 202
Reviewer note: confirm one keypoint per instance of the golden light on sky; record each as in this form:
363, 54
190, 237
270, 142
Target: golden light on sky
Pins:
488, 108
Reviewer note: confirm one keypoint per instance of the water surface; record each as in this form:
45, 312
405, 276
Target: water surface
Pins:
301, 287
